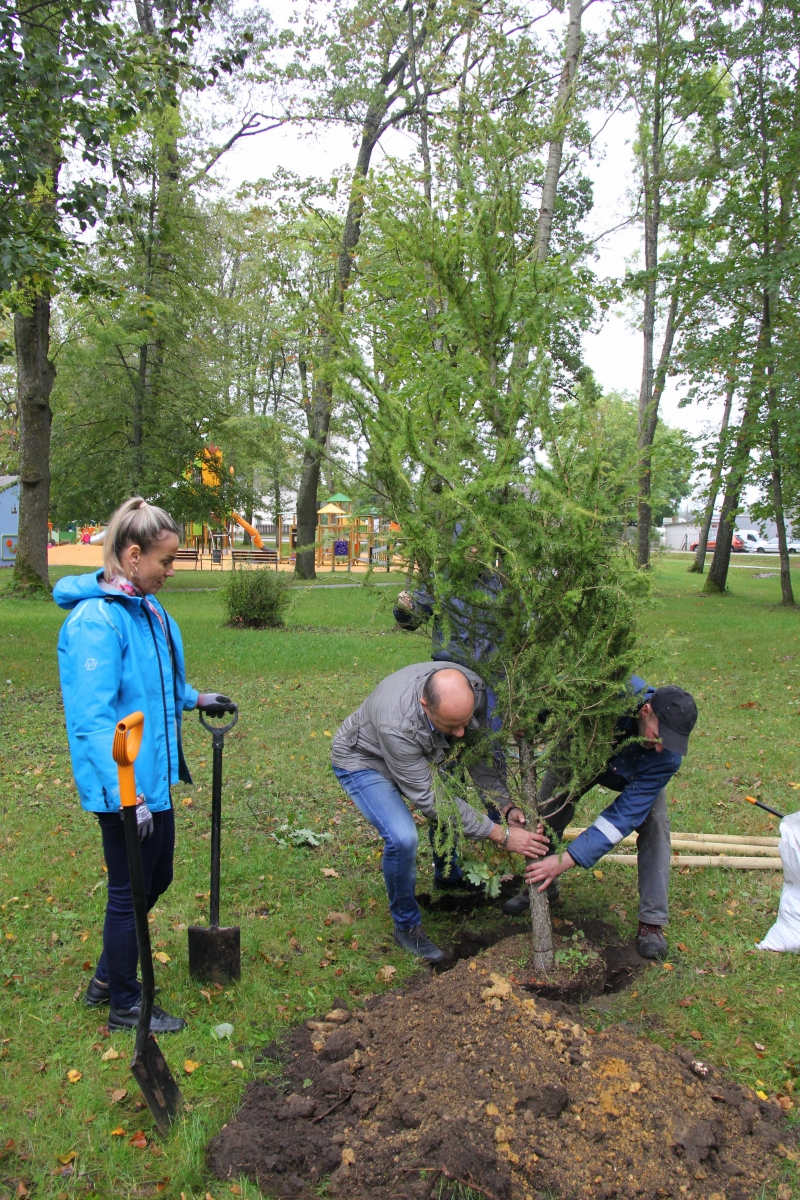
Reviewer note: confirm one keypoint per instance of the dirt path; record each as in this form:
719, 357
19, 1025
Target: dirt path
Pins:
470, 1077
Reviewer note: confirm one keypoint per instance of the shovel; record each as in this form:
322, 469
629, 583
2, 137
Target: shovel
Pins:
214, 952
148, 1065
766, 807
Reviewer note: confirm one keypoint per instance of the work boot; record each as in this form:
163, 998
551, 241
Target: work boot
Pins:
160, 1021
97, 993
651, 942
520, 904
417, 942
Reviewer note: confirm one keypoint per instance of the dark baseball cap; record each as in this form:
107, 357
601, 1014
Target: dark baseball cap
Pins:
677, 717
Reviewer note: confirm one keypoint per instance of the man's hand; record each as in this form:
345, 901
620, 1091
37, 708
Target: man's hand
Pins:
547, 870
515, 816
532, 845
404, 600
213, 704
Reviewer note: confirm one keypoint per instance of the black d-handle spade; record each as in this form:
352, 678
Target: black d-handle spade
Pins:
215, 951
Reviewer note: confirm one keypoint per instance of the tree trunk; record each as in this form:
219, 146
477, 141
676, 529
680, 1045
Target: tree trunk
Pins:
717, 578
648, 423
787, 595
541, 928
560, 117
319, 414
35, 377
699, 561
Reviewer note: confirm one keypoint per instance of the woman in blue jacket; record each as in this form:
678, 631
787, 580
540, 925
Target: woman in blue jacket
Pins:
120, 652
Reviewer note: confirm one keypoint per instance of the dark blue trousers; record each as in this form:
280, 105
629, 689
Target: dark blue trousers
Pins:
117, 963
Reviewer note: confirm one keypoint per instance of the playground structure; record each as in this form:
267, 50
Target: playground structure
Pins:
353, 538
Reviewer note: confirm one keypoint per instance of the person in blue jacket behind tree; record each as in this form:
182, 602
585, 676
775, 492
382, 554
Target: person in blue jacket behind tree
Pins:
120, 652
660, 720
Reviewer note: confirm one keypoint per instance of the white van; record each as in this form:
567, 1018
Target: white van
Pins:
753, 542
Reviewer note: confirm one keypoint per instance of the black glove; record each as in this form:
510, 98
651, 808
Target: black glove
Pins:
213, 704
144, 818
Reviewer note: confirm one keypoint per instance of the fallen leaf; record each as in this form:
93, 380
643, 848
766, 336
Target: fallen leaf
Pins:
598, 874
386, 974
786, 1104
73, 1076
161, 957
668, 966
685, 1003
138, 1140
761, 1095
348, 1156
237, 1062
697, 1035
683, 949
330, 873
118, 1094
161, 1185
21, 1190
110, 1054
235, 1189
118, 1132
67, 1158
189, 1065
187, 802
749, 704
758, 1046
205, 992
222, 1031
338, 918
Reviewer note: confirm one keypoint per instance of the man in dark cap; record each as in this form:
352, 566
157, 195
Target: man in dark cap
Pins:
661, 720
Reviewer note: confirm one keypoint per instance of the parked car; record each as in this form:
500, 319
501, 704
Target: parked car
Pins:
792, 545
753, 541
737, 545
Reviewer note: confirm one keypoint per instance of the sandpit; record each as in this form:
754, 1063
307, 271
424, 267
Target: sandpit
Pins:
468, 1078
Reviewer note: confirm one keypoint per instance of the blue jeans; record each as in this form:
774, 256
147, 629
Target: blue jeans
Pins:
117, 964
380, 802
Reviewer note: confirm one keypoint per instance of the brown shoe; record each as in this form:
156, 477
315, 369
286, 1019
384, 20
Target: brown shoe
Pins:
651, 942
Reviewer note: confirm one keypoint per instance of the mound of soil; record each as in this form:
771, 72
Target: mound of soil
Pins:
470, 1079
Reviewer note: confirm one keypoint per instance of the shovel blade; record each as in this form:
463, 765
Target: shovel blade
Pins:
159, 1089
215, 953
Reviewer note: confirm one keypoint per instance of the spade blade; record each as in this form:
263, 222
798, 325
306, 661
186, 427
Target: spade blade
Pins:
149, 1069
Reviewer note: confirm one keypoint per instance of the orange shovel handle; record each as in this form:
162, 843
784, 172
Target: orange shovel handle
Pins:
127, 740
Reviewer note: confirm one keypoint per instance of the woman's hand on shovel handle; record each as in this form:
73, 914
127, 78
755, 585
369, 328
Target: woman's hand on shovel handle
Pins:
214, 704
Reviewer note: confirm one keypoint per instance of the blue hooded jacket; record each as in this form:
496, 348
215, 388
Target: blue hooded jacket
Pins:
115, 658
638, 773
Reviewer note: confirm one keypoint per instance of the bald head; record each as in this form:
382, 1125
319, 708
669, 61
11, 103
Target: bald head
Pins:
448, 701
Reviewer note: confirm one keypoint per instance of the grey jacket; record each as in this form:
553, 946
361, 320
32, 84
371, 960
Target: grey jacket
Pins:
390, 733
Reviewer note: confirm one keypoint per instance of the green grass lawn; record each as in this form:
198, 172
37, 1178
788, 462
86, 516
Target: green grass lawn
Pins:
294, 687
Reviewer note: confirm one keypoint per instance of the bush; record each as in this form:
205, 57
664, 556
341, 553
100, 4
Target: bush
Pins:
256, 599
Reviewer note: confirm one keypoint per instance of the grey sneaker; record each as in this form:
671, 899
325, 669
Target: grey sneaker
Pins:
417, 942
160, 1021
651, 942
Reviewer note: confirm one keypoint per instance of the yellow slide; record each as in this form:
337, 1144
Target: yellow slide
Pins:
258, 541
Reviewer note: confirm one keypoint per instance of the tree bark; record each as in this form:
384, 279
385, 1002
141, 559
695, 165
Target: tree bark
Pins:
787, 595
35, 377
699, 561
319, 412
717, 578
560, 117
541, 928
648, 423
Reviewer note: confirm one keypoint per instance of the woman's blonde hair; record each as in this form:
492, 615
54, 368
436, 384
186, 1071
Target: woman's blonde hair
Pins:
134, 523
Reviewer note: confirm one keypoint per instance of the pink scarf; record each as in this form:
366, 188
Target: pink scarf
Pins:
130, 589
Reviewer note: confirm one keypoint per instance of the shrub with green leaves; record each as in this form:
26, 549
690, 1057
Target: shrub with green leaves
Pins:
256, 598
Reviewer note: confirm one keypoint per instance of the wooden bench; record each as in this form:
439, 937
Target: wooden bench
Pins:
192, 556
256, 557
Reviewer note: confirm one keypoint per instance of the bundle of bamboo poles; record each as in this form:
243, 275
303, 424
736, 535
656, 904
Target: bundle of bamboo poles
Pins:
709, 850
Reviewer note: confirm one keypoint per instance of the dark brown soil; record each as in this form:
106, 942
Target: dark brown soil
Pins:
468, 1077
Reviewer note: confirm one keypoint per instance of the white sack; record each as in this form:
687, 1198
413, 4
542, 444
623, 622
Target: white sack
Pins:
785, 933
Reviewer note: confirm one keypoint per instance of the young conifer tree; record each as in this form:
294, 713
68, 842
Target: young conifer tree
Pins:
482, 429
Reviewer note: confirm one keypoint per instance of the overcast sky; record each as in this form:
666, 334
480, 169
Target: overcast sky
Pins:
615, 353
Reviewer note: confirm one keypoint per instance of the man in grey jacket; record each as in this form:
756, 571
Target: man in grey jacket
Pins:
390, 747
